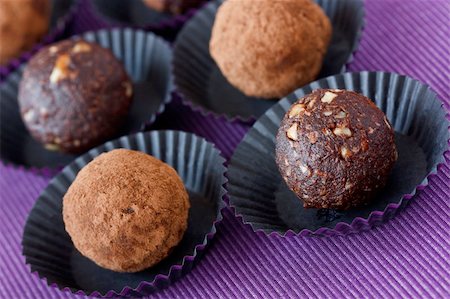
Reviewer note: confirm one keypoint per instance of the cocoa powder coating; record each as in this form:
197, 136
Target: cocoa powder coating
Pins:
335, 149
269, 48
126, 210
74, 95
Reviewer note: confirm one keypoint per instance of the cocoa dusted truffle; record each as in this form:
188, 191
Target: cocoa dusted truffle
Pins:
269, 48
126, 210
22, 24
74, 95
174, 7
335, 149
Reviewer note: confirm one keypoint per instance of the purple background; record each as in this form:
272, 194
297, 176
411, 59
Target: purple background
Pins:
406, 257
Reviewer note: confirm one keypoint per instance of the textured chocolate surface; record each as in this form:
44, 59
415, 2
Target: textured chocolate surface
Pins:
126, 210
335, 149
74, 95
269, 48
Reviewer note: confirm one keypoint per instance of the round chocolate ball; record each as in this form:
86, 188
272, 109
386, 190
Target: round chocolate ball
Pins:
22, 24
269, 48
335, 149
126, 210
74, 95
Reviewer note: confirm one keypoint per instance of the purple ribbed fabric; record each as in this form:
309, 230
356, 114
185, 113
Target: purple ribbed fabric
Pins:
407, 257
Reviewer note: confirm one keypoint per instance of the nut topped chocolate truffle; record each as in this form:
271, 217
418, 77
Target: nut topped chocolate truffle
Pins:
269, 48
126, 210
335, 149
74, 95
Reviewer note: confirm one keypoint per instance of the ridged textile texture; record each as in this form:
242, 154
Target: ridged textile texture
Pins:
408, 257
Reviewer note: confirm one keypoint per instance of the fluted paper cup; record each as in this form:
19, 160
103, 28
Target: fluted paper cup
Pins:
260, 197
50, 252
202, 85
146, 58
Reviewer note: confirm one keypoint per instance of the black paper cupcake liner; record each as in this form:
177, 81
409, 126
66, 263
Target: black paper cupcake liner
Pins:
49, 251
260, 197
146, 58
62, 14
202, 85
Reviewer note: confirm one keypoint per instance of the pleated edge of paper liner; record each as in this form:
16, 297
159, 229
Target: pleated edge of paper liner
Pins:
53, 35
47, 171
175, 271
376, 217
252, 119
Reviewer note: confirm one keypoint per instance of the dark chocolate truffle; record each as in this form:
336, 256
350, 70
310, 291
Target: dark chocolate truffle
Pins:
269, 48
22, 24
126, 210
174, 7
74, 95
335, 149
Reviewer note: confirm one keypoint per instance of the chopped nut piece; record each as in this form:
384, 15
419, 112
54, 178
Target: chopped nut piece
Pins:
128, 89
81, 47
341, 114
29, 115
371, 130
288, 171
304, 169
51, 147
342, 131
53, 49
345, 153
312, 136
296, 110
387, 123
328, 97
57, 140
76, 142
327, 113
348, 185
61, 69
286, 162
292, 132
326, 131
311, 104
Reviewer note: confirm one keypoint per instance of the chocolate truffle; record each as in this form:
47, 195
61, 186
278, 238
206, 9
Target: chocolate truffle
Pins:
174, 7
126, 210
269, 48
22, 24
74, 95
335, 149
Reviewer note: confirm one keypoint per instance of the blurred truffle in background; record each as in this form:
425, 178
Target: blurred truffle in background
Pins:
269, 48
174, 7
22, 24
